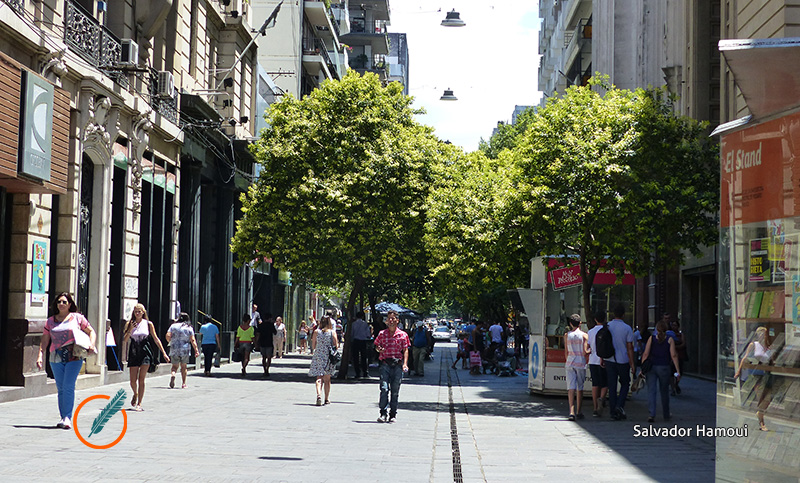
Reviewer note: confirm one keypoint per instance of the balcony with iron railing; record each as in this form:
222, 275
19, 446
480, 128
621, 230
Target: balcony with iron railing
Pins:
315, 52
17, 5
577, 40
103, 50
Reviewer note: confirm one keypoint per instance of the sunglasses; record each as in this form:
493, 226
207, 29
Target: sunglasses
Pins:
62, 302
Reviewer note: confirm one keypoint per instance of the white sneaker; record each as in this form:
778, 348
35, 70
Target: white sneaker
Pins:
60, 424
67, 423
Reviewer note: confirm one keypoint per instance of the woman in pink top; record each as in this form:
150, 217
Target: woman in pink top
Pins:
140, 354
59, 332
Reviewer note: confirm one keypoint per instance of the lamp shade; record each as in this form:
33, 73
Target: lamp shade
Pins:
453, 19
448, 96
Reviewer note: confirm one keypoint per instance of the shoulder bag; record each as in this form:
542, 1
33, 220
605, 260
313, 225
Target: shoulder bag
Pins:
83, 342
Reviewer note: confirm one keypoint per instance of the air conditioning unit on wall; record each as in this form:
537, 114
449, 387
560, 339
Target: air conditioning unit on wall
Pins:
165, 85
130, 53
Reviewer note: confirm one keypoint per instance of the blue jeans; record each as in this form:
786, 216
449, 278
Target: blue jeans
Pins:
66, 373
391, 376
622, 373
658, 380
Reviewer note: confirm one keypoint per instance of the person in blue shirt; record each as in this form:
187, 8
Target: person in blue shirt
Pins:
210, 343
620, 366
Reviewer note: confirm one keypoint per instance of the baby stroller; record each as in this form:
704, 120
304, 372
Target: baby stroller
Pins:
506, 363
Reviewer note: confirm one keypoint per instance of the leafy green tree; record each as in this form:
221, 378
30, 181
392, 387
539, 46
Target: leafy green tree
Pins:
615, 177
341, 195
507, 135
471, 251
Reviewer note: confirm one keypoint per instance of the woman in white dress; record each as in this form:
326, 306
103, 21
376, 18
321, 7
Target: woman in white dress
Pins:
321, 367
279, 339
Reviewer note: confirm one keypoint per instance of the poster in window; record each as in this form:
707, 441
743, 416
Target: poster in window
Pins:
759, 260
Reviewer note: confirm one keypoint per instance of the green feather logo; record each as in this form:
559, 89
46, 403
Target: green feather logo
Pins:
111, 409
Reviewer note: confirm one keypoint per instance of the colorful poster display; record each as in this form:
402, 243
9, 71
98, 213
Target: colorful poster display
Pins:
759, 260
39, 274
796, 301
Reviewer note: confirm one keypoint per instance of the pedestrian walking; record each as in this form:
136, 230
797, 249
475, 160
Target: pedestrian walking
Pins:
419, 348
210, 343
323, 340
255, 317
596, 368
679, 337
279, 339
660, 350
392, 346
264, 339
302, 337
576, 346
461, 353
761, 350
180, 338
60, 332
361, 336
140, 338
620, 366
243, 341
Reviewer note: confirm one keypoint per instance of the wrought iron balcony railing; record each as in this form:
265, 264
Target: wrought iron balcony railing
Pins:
166, 106
90, 40
17, 5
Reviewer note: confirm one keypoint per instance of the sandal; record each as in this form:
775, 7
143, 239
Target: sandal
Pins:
133, 401
183, 386
327, 401
319, 401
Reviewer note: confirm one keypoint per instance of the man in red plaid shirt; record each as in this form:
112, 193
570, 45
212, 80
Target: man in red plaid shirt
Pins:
392, 345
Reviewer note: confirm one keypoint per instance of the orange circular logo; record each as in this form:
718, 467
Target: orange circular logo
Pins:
98, 446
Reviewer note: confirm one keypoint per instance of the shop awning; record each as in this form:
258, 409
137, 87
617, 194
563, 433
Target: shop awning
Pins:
765, 70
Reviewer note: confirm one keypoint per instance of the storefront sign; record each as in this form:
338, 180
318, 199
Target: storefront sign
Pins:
571, 276
39, 274
758, 173
36, 126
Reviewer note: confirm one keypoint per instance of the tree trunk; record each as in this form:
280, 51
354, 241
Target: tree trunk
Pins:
588, 270
358, 284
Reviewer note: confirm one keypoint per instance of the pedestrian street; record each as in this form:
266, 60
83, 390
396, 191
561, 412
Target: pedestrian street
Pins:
450, 426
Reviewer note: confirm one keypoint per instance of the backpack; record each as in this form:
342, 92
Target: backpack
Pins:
604, 343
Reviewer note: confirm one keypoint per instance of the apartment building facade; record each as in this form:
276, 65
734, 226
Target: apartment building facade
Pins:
140, 99
675, 43
638, 44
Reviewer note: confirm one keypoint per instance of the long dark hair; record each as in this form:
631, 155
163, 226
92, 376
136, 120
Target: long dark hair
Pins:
73, 307
661, 330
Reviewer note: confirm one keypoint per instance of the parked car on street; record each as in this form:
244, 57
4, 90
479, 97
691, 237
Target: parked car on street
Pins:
441, 333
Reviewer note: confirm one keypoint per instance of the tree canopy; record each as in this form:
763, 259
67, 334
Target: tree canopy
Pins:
615, 176
341, 195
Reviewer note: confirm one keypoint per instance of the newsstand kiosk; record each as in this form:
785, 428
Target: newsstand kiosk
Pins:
555, 294
759, 266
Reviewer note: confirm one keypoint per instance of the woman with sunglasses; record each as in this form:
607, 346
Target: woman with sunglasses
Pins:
138, 352
59, 332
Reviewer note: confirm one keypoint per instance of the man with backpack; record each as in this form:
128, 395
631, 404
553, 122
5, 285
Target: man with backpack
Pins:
619, 365
596, 369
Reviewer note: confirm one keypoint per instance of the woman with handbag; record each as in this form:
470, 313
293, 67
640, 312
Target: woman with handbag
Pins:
243, 342
323, 343
138, 341
62, 332
658, 352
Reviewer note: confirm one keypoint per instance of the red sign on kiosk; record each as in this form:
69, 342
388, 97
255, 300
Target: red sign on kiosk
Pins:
570, 276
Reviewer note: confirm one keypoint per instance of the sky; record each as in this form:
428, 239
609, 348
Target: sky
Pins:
491, 64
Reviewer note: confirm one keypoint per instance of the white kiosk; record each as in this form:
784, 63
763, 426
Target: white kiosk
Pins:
555, 294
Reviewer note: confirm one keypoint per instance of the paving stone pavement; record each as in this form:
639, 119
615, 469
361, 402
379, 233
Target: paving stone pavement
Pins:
451, 426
